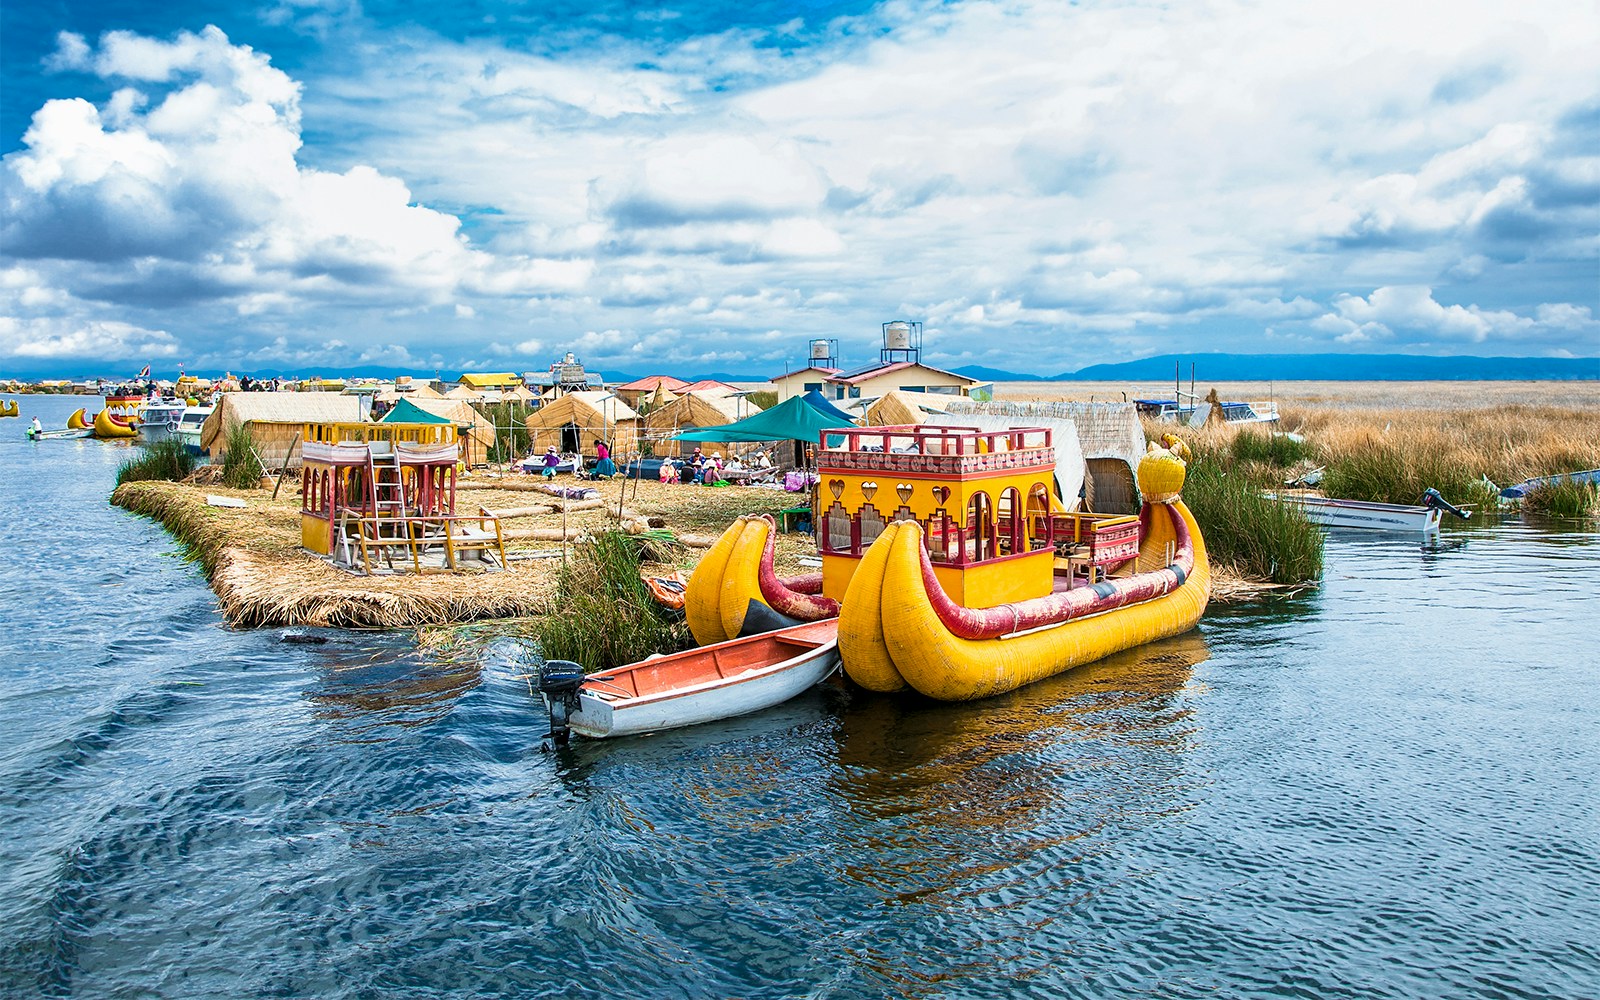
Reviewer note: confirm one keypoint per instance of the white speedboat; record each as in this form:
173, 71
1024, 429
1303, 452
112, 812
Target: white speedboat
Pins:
1420, 518
189, 425
718, 681
159, 421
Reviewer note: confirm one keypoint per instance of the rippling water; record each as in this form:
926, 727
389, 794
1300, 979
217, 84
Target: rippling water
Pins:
1386, 788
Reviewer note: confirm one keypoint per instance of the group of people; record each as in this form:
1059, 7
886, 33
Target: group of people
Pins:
604, 467
699, 468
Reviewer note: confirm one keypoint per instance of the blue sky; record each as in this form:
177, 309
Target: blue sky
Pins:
299, 185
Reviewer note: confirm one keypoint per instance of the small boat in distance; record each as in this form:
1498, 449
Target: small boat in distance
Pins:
1420, 518
1527, 486
718, 681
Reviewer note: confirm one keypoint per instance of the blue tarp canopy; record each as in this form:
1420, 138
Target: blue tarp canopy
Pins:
817, 401
794, 419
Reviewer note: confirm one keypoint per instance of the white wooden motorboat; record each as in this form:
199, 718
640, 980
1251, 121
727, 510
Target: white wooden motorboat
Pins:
719, 681
1420, 518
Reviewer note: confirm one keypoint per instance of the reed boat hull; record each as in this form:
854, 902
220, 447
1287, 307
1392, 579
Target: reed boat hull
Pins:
108, 425
720, 681
892, 635
737, 571
79, 421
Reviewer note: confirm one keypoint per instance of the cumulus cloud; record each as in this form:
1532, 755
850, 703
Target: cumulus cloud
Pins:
1099, 180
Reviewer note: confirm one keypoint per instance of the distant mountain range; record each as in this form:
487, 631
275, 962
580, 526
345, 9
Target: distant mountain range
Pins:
1311, 367
1158, 370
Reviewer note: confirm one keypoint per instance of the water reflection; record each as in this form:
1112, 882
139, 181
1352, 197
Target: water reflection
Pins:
375, 682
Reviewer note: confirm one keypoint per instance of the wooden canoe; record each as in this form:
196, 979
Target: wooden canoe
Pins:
719, 681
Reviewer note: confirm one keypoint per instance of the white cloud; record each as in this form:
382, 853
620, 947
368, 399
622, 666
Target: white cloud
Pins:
1100, 180
45, 338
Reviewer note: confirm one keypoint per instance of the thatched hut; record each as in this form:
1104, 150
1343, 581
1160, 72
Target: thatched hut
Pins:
275, 421
694, 410
577, 419
899, 407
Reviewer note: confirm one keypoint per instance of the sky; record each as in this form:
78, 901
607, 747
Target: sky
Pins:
310, 186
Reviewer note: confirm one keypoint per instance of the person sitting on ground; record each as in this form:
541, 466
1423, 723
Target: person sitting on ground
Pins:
604, 468
669, 471
551, 460
762, 460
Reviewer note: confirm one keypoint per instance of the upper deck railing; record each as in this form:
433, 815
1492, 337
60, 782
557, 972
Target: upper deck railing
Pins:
940, 451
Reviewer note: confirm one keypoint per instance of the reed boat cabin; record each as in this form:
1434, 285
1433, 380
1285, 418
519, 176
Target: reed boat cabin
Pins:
371, 491
994, 527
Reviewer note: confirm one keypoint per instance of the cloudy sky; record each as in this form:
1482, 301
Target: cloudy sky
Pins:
310, 185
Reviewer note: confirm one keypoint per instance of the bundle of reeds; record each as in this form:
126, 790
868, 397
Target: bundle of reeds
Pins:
602, 615
167, 460
1245, 532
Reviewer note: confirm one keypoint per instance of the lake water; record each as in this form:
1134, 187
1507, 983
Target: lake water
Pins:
1384, 788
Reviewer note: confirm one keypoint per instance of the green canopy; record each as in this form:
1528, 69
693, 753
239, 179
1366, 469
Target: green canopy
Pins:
407, 412
790, 420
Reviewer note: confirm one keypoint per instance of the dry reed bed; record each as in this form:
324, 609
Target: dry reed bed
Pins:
262, 578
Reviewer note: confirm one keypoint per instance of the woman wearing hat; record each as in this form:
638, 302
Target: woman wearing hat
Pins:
551, 460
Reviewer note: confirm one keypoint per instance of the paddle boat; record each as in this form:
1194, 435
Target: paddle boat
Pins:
956, 571
719, 681
1422, 518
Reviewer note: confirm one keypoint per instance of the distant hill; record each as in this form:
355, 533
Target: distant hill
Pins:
1311, 367
1336, 368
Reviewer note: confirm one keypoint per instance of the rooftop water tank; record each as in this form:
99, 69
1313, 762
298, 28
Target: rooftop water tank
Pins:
897, 336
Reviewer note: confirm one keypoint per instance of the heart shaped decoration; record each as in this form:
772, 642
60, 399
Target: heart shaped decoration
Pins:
836, 487
903, 490
868, 489
941, 494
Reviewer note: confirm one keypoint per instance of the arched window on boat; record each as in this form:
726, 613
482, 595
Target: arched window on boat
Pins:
944, 537
871, 525
1040, 535
1011, 538
980, 528
837, 528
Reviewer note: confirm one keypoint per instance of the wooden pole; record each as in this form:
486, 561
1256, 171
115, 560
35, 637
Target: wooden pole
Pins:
286, 456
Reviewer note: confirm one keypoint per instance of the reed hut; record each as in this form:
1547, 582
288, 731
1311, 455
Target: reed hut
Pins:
573, 422
465, 392
275, 421
897, 407
694, 410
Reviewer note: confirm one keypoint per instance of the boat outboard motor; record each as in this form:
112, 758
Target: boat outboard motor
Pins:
559, 681
1431, 498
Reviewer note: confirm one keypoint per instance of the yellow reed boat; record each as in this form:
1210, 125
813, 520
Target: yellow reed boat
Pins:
954, 569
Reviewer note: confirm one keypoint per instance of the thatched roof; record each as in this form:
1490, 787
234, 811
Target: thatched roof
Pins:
464, 392
899, 407
235, 408
595, 415
701, 409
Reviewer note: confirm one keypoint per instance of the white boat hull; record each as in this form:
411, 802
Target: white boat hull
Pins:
600, 718
1331, 513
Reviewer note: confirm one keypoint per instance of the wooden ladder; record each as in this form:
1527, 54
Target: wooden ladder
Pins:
386, 526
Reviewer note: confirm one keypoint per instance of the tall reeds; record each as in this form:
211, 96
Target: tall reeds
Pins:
161, 460
241, 469
602, 615
1255, 537
1564, 498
